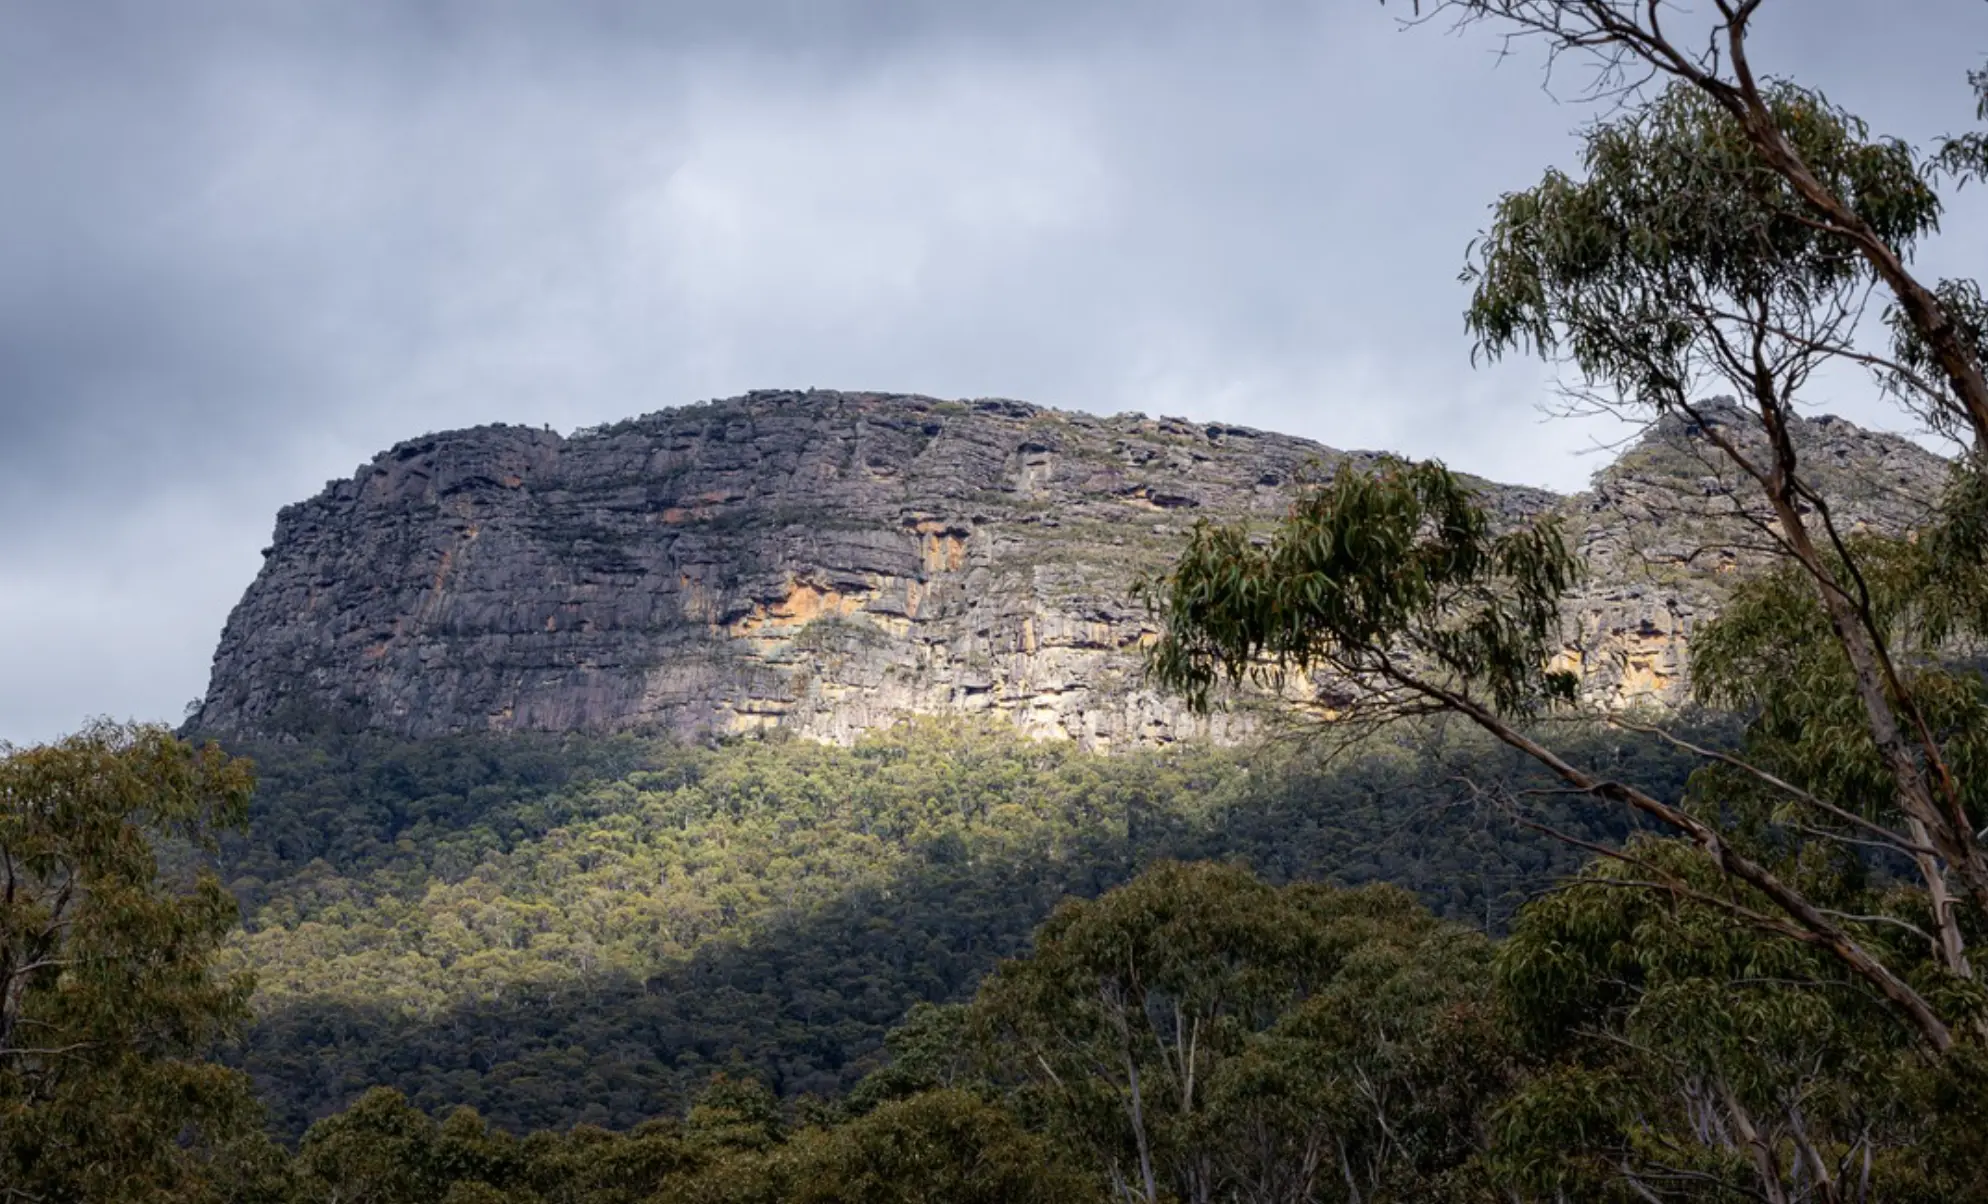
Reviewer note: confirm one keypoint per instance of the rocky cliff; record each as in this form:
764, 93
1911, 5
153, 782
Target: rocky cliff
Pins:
828, 562
1668, 528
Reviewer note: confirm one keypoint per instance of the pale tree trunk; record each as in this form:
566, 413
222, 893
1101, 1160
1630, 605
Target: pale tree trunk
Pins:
1760, 1151
1915, 301
1937, 826
1804, 921
1137, 1112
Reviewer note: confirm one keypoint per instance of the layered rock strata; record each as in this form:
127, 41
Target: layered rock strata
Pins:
830, 562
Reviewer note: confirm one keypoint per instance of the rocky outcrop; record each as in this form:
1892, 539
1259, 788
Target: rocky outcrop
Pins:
829, 562
1667, 529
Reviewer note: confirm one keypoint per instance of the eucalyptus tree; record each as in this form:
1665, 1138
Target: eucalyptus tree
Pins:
1685, 1057
1761, 983
1718, 1012
1678, 265
1831, 865
1937, 361
109, 997
381, 1150
1202, 1036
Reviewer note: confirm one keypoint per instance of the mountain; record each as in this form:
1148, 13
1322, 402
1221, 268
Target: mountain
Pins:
474, 883
831, 562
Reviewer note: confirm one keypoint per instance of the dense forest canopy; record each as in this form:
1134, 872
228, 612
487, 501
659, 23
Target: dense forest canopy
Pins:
562, 929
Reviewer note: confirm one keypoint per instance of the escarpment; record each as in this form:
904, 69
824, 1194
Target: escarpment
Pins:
830, 562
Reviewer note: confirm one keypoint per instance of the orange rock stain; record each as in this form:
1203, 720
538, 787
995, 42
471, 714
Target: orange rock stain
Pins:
803, 603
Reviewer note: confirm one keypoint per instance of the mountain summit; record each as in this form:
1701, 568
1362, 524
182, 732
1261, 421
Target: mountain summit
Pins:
829, 562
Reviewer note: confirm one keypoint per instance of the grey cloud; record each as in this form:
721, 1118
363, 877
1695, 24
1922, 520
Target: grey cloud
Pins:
247, 244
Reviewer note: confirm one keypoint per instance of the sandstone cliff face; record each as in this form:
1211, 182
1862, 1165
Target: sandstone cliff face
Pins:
822, 561
829, 562
1668, 529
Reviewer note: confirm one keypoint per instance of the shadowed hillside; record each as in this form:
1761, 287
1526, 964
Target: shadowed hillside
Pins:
566, 929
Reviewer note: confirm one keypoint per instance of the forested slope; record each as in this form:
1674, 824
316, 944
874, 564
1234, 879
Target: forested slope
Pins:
566, 929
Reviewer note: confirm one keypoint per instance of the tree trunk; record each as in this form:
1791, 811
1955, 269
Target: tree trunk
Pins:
1809, 924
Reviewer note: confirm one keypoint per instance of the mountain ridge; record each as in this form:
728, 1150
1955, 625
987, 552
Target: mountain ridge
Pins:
829, 562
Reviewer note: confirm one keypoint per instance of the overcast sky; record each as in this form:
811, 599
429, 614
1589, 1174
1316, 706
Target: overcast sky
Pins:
245, 245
